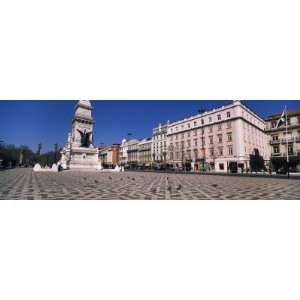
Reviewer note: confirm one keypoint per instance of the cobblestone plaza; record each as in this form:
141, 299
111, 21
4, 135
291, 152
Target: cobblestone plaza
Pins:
26, 184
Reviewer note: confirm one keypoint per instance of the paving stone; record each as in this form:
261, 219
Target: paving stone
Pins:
26, 184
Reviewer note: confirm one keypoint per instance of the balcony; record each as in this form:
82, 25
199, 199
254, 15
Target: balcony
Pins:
287, 140
276, 154
274, 142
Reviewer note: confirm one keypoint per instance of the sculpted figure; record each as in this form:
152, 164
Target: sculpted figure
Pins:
85, 138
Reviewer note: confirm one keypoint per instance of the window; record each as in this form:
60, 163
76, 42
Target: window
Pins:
203, 141
228, 114
210, 119
171, 155
176, 137
196, 153
182, 145
188, 154
211, 152
228, 124
275, 149
189, 125
289, 121
220, 138
210, 129
211, 139
188, 134
275, 138
273, 124
221, 166
202, 131
229, 137
195, 123
219, 117
202, 121
182, 135
299, 119
195, 142
220, 127
188, 143
290, 149
230, 150
195, 132
220, 151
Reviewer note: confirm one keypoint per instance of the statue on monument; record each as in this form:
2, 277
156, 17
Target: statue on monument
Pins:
85, 138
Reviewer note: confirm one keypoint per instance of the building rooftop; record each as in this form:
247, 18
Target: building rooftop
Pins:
214, 110
290, 113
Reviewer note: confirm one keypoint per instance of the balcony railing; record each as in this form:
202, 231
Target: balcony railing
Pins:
287, 140
274, 142
276, 154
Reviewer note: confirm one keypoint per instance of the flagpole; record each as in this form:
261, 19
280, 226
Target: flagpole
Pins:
287, 144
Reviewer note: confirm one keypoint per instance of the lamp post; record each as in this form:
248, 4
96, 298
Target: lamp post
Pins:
39, 149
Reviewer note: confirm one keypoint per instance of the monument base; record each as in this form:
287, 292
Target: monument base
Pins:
83, 158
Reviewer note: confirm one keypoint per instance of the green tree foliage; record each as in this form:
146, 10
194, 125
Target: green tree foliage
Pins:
10, 155
49, 158
257, 163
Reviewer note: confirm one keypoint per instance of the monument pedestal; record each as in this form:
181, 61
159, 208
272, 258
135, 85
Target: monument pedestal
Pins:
83, 158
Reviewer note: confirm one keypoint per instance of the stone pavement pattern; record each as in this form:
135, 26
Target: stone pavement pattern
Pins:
26, 184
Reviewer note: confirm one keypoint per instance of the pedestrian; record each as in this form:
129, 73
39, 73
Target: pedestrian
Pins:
270, 171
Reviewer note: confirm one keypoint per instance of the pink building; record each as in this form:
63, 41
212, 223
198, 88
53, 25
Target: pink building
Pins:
221, 139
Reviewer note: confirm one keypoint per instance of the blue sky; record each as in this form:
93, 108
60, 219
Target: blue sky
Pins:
48, 122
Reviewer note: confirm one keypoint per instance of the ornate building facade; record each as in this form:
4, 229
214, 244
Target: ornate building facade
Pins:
159, 143
281, 140
221, 139
144, 152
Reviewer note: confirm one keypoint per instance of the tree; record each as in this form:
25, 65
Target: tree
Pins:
55, 152
257, 162
10, 154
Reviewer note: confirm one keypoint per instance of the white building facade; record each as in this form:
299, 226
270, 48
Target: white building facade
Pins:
285, 141
128, 152
144, 152
159, 143
221, 139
